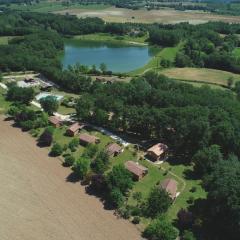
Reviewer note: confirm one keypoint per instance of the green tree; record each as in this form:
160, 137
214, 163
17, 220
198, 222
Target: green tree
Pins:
230, 82
158, 202
160, 229
46, 138
223, 200
116, 197
100, 163
119, 178
56, 150
205, 159
188, 235
91, 150
49, 104
84, 107
103, 67
69, 160
81, 167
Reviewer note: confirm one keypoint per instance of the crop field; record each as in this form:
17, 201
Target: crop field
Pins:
113, 14
41, 201
201, 75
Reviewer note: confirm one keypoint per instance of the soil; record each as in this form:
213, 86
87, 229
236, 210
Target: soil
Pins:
39, 199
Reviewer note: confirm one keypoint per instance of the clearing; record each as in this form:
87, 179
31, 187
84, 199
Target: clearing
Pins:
39, 200
113, 14
201, 75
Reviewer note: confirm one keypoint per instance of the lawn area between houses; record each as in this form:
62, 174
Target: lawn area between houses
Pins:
4, 105
4, 40
156, 173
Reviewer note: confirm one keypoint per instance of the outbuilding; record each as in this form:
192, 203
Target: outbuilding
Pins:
74, 129
170, 186
86, 139
55, 121
113, 149
138, 171
158, 152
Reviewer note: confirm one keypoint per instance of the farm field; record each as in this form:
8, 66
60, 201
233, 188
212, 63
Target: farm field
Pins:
201, 75
113, 14
41, 201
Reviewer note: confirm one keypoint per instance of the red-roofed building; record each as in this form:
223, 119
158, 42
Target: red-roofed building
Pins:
170, 186
113, 149
86, 139
138, 171
55, 121
74, 129
158, 152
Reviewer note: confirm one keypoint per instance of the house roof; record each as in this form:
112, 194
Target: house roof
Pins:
170, 186
113, 148
54, 120
88, 138
158, 149
135, 168
75, 127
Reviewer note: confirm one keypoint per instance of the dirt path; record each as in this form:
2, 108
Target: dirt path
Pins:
37, 202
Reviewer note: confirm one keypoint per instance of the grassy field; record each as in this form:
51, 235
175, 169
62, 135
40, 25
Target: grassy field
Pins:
4, 40
166, 53
201, 75
45, 7
166, 15
113, 38
236, 52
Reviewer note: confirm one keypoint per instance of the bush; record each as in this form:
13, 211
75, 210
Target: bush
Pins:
136, 220
69, 160
56, 150
73, 144
81, 167
46, 137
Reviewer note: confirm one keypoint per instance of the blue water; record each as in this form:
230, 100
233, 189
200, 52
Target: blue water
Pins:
118, 58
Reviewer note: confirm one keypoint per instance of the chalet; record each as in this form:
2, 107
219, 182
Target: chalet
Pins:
55, 121
158, 152
86, 139
113, 149
138, 171
74, 129
170, 186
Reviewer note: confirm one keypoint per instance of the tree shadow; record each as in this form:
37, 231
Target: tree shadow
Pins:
101, 195
73, 178
190, 174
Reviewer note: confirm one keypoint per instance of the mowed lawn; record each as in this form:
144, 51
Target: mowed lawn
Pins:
201, 75
168, 53
4, 40
236, 52
156, 173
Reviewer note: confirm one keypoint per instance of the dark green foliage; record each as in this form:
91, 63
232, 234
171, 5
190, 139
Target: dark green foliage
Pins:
116, 198
21, 95
91, 150
119, 178
100, 163
188, 235
205, 159
160, 229
136, 220
69, 160
49, 104
81, 167
223, 200
158, 202
46, 137
56, 150
73, 144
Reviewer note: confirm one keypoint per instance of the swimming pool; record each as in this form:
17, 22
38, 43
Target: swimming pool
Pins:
45, 94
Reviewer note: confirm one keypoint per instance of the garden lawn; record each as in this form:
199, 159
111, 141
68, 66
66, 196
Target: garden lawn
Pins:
236, 52
4, 105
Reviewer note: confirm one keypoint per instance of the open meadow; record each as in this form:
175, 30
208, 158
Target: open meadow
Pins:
42, 201
201, 75
113, 14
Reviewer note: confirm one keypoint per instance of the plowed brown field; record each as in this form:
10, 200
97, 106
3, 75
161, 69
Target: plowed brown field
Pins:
37, 202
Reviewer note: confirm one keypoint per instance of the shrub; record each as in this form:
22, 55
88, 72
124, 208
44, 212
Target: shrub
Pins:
56, 150
69, 160
136, 220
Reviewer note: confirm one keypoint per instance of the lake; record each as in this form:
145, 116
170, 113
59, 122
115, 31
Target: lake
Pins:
117, 57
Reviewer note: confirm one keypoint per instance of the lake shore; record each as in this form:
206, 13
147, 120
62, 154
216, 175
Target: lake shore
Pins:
40, 200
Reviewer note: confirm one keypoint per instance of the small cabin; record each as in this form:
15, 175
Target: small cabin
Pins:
138, 171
